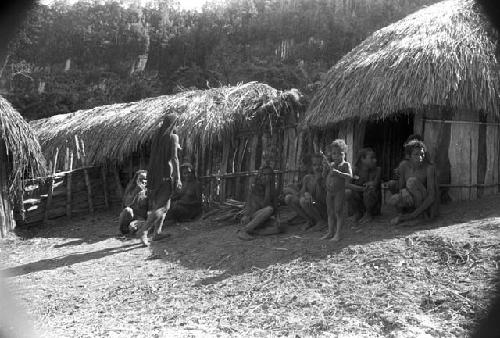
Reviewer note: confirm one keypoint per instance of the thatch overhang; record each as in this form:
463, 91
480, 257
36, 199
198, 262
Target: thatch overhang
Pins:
111, 133
442, 55
21, 145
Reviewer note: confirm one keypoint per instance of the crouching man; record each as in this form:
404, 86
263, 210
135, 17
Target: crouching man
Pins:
135, 203
262, 203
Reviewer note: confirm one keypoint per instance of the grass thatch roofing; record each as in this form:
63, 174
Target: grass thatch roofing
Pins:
112, 132
441, 55
21, 145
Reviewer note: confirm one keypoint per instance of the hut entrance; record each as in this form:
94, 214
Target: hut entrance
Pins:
386, 137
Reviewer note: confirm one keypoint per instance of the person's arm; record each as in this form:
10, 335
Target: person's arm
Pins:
429, 200
175, 161
354, 187
303, 189
345, 173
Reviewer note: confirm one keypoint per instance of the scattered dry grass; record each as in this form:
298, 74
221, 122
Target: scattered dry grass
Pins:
76, 279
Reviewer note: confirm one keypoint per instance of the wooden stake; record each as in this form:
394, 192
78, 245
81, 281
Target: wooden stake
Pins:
89, 191
50, 191
223, 169
68, 184
105, 186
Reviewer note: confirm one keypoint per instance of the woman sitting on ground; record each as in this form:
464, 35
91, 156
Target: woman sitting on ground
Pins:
135, 203
417, 186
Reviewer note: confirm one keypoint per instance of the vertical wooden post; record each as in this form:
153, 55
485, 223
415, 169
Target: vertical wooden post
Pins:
131, 167
223, 170
68, 183
50, 191
4, 219
142, 158
119, 188
88, 184
105, 186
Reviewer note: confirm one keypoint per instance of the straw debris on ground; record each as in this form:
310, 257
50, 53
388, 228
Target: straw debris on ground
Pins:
77, 279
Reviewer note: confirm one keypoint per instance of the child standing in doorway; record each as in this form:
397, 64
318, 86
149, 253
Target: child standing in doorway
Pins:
336, 171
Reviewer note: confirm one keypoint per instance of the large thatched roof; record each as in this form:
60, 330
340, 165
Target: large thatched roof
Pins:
21, 145
442, 55
112, 132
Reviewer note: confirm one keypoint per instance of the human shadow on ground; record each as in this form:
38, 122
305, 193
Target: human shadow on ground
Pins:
66, 260
206, 245
83, 229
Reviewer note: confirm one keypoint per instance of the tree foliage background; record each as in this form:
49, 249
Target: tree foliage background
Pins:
68, 57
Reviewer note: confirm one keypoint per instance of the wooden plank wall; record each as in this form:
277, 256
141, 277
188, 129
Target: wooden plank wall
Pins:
465, 148
36, 194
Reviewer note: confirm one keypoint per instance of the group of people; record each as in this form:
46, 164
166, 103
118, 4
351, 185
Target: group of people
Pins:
174, 194
319, 199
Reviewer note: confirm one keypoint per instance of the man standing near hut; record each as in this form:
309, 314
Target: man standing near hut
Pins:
418, 193
163, 175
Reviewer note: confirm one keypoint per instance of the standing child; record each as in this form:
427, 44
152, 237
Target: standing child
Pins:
363, 194
337, 171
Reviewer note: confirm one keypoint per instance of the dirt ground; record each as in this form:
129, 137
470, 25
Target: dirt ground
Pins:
79, 278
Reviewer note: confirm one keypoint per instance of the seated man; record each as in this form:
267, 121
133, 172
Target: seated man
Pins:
310, 201
135, 203
363, 193
418, 189
393, 184
186, 204
261, 205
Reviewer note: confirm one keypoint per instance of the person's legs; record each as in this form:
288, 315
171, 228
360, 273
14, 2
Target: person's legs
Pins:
258, 219
293, 202
371, 200
126, 216
160, 206
339, 213
417, 191
309, 207
355, 201
332, 221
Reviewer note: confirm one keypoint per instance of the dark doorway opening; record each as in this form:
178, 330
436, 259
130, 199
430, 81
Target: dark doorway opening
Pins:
386, 137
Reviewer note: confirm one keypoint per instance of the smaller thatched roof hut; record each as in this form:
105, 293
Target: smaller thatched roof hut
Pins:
111, 133
439, 69
20, 155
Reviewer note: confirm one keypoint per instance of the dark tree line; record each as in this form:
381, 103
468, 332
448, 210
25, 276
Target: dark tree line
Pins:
68, 57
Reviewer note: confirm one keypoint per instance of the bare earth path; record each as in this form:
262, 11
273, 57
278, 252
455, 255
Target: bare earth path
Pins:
78, 279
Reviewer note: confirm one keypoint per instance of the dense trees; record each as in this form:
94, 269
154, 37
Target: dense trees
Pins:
68, 57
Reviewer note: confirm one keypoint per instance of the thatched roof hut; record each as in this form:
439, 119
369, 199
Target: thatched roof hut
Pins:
435, 72
113, 132
442, 55
20, 155
22, 150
